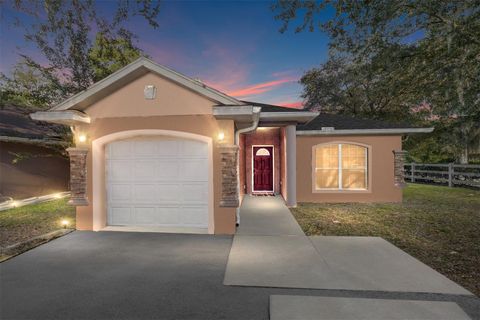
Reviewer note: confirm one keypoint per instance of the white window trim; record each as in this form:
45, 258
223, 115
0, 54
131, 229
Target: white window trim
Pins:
340, 189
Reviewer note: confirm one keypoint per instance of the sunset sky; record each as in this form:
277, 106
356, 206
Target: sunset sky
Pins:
233, 46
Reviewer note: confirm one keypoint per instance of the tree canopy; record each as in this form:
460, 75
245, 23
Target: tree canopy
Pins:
410, 60
80, 46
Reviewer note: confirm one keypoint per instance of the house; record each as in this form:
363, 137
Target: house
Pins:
32, 158
155, 148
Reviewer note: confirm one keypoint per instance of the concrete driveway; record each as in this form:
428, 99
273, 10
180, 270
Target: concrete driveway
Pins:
122, 275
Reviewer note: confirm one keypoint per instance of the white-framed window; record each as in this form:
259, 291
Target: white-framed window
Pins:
340, 166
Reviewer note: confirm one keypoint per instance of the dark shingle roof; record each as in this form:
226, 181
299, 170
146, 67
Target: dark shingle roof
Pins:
15, 122
342, 122
273, 108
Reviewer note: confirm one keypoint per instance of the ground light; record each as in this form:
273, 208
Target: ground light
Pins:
64, 223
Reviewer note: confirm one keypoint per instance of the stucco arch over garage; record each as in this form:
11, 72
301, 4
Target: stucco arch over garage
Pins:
99, 204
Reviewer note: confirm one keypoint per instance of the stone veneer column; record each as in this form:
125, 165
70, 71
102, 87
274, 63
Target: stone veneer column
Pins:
291, 157
78, 176
399, 167
229, 196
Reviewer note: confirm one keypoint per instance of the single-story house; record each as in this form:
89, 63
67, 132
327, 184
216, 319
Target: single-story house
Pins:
155, 148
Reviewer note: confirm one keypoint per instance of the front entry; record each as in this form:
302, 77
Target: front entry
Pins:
262, 168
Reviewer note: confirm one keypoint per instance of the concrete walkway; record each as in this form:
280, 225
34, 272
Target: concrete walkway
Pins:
286, 307
270, 250
267, 216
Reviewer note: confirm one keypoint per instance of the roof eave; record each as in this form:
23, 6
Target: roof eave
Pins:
342, 132
66, 117
239, 114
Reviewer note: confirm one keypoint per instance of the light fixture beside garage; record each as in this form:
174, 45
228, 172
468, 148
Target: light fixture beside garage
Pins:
150, 92
221, 136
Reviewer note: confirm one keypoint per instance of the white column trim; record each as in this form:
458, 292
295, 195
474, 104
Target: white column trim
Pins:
291, 164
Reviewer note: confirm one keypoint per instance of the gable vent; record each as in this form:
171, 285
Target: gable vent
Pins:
150, 92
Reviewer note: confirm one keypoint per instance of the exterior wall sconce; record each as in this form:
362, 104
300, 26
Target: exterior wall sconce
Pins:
82, 138
221, 136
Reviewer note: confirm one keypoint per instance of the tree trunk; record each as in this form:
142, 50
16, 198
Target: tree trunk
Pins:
464, 155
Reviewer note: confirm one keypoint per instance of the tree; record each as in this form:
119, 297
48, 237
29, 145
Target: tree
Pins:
63, 31
107, 54
396, 56
372, 90
27, 87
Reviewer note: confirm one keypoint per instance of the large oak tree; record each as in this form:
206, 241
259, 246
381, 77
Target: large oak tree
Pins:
415, 60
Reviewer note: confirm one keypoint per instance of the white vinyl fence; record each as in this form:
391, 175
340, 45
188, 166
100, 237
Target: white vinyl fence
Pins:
466, 175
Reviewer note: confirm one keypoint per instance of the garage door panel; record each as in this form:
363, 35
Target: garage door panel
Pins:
193, 149
120, 149
167, 148
144, 149
144, 170
169, 194
194, 194
120, 170
168, 216
193, 216
145, 215
120, 215
120, 193
167, 170
156, 182
194, 170
145, 193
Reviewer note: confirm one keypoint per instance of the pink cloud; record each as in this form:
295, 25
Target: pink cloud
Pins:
294, 104
259, 88
223, 67
227, 68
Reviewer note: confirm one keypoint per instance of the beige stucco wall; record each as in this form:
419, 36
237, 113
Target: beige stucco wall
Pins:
175, 109
171, 99
381, 167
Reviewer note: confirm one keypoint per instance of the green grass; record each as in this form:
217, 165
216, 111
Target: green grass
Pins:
26, 222
438, 225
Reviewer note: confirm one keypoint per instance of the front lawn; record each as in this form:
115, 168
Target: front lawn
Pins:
438, 225
26, 222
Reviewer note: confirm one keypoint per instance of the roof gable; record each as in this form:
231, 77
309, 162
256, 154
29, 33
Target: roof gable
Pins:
134, 70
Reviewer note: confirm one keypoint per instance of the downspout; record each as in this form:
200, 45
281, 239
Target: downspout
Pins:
253, 127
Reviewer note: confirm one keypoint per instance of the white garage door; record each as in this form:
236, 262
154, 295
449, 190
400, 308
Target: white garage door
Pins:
157, 182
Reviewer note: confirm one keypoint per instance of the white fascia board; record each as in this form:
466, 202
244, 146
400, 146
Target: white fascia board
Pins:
236, 113
300, 117
393, 131
154, 67
68, 117
232, 110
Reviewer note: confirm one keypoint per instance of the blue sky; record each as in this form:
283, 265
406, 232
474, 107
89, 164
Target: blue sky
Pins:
233, 46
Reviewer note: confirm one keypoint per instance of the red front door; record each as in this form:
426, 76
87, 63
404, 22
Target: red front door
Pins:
262, 168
